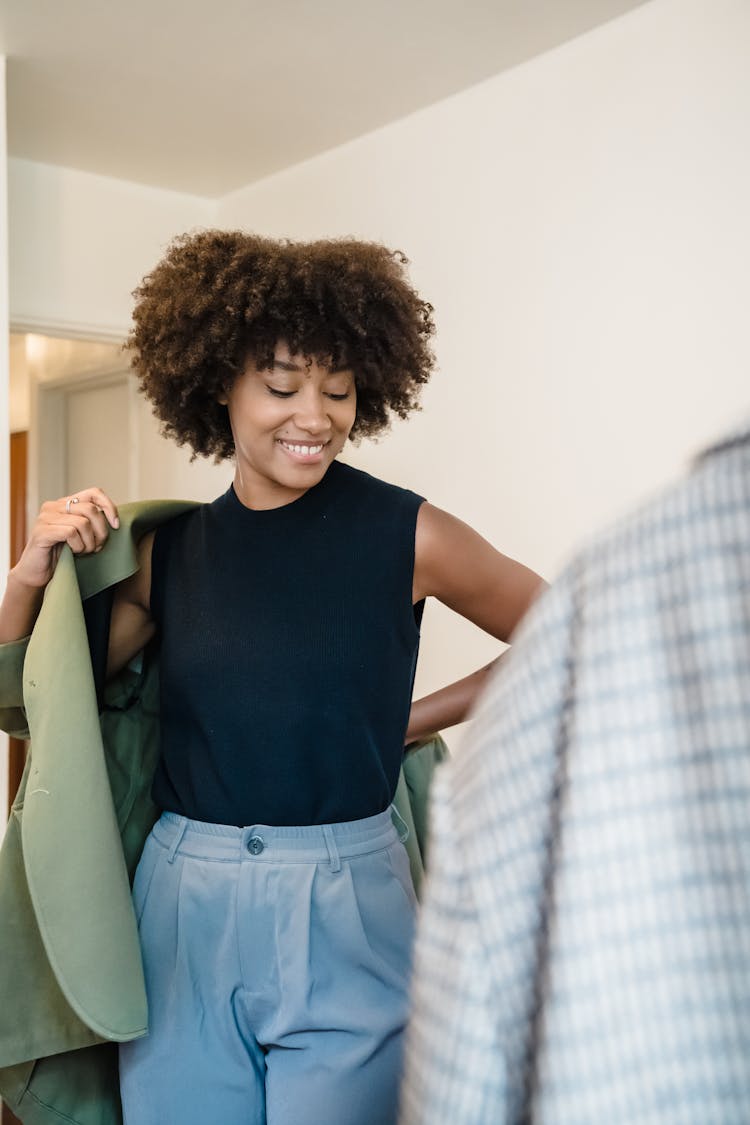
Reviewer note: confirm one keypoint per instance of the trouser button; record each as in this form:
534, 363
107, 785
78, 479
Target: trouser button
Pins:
255, 845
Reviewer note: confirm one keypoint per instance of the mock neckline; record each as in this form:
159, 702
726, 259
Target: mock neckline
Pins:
230, 505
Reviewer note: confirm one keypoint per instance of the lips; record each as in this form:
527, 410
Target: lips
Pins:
303, 451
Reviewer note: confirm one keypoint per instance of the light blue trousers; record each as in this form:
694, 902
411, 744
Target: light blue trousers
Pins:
277, 970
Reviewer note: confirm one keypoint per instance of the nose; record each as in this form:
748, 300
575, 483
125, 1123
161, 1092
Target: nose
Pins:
312, 413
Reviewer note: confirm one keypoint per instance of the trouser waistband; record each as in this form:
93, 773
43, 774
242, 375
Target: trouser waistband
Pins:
309, 843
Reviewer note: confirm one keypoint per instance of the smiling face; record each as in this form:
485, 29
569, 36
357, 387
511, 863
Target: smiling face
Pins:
289, 422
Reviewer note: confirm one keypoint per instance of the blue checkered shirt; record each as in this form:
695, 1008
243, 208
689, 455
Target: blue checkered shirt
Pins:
583, 954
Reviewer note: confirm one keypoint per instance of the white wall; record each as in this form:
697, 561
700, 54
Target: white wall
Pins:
18, 390
581, 225
80, 243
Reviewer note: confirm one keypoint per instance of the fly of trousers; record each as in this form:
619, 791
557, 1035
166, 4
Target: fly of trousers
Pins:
277, 966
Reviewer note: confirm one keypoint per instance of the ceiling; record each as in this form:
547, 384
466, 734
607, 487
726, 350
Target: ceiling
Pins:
207, 97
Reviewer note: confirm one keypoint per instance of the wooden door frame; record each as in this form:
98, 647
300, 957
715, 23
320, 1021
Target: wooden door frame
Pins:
16, 748
18, 490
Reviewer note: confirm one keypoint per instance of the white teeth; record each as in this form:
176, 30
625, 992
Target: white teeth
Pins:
309, 450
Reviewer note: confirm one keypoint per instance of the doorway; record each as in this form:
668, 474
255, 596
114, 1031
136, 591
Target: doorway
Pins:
88, 385
53, 388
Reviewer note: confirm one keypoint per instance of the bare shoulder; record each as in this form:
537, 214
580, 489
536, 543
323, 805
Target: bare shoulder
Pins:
457, 565
436, 527
442, 543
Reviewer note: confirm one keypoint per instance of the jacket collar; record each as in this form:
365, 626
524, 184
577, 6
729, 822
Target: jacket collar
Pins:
119, 559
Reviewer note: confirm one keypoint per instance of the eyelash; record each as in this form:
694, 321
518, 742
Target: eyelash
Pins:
288, 394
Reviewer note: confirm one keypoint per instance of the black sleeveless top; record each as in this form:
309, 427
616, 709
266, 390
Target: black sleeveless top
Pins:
288, 648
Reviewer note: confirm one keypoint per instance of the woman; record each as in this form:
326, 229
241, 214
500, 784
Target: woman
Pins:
273, 896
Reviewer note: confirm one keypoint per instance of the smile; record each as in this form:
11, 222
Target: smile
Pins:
300, 450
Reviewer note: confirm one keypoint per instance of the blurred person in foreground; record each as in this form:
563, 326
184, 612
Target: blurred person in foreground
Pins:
583, 953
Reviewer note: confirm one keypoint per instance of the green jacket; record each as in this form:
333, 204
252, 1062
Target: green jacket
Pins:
71, 979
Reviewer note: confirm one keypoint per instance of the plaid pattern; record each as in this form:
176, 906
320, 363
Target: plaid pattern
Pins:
583, 955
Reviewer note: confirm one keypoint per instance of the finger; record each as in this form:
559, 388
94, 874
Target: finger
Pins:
82, 526
96, 517
52, 531
99, 497
69, 533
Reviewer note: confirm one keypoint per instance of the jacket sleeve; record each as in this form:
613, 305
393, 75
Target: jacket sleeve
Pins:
12, 713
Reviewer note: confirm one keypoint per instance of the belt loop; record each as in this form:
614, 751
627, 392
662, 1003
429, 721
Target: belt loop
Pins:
178, 839
333, 851
403, 836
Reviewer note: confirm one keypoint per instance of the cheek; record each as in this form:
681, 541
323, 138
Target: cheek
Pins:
254, 414
349, 415
344, 425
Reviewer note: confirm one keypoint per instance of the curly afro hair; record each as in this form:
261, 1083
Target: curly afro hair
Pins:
220, 298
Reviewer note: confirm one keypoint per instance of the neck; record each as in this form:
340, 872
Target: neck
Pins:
263, 496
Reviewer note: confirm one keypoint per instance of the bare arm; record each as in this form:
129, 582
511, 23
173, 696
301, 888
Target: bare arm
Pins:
446, 707
131, 627
456, 565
